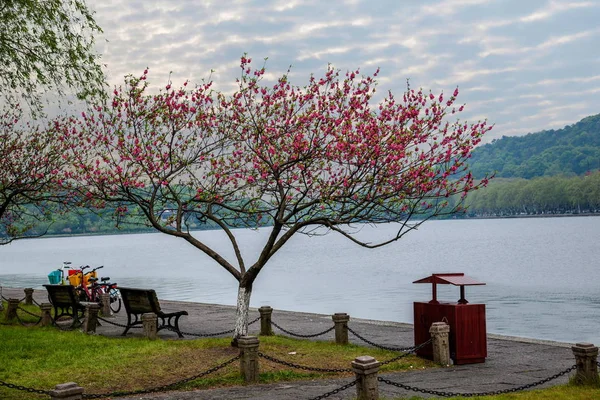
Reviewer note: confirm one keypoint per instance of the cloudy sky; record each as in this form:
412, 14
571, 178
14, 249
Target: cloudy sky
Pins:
525, 65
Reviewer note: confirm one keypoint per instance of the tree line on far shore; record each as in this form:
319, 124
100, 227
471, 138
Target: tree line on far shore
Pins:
538, 196
502, 198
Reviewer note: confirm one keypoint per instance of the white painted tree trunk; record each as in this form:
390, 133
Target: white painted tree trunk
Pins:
241, 317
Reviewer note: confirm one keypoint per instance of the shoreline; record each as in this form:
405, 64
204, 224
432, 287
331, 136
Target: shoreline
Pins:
303, 315
509, 362
533, 216
67, 235
376, 322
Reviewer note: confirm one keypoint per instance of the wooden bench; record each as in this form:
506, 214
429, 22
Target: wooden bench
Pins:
66, 303
142, 301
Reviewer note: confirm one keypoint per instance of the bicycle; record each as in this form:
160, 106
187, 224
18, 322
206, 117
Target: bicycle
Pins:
89, 289
106, 287
83, 288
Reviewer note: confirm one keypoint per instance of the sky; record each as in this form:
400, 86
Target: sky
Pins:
524, 65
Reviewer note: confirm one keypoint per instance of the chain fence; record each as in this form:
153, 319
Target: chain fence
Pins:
24, 388
68, 322
379, 346
118, 324
406, 352
301, 335
335, 391
302, 367
174, 385
39, 317
412, 350
24, 323
163, 388
490, 393
211, 334
20, 300
180, 331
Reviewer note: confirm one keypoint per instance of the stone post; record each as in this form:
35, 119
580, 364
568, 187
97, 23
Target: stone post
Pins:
248, 346
341, 327
440, 342
366, 368
586, 356
150, 323
11, 310
67, 391
265, 320
46, 309
28, 296
91, 317
105, 301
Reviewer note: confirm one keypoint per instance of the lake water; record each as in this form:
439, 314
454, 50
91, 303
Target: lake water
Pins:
541, 274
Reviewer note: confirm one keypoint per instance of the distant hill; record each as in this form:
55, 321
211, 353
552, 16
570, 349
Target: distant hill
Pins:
573, 150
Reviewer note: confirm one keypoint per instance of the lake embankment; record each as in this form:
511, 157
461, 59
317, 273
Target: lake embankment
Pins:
537, 271
511, 362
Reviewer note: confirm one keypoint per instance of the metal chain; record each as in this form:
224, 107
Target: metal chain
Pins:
67, 327
408, 349
27, 312
413, 349
30, 313
209, 334
303, 367
24, 388
300, 335
200, 334
416, 348
494, 392
335, 391
20, 301
164, 387
119, 325
174, 330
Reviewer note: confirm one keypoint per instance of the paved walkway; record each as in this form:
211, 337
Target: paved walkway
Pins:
511, 362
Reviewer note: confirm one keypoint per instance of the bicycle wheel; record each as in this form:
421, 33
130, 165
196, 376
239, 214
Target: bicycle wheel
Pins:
81, 294
115, 300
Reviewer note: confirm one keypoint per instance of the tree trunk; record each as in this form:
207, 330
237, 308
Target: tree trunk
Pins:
241, 317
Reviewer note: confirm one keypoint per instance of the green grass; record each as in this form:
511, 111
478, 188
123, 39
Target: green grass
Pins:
24, 316
43, 357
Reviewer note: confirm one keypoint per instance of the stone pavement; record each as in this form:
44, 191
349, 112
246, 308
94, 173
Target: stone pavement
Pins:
511, 362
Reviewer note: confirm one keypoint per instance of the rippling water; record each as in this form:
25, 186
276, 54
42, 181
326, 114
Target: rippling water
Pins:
541, 273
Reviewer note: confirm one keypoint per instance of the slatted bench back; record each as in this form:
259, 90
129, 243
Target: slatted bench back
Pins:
140, 301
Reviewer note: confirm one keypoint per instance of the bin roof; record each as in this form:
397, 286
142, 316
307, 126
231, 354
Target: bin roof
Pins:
456, 279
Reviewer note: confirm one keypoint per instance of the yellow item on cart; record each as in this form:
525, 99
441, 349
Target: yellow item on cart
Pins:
89, 275
75, 277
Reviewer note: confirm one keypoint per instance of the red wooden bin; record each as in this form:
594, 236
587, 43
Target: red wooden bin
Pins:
468, 337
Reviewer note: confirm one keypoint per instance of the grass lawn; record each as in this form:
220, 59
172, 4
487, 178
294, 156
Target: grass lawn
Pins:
40, 358
43, 357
